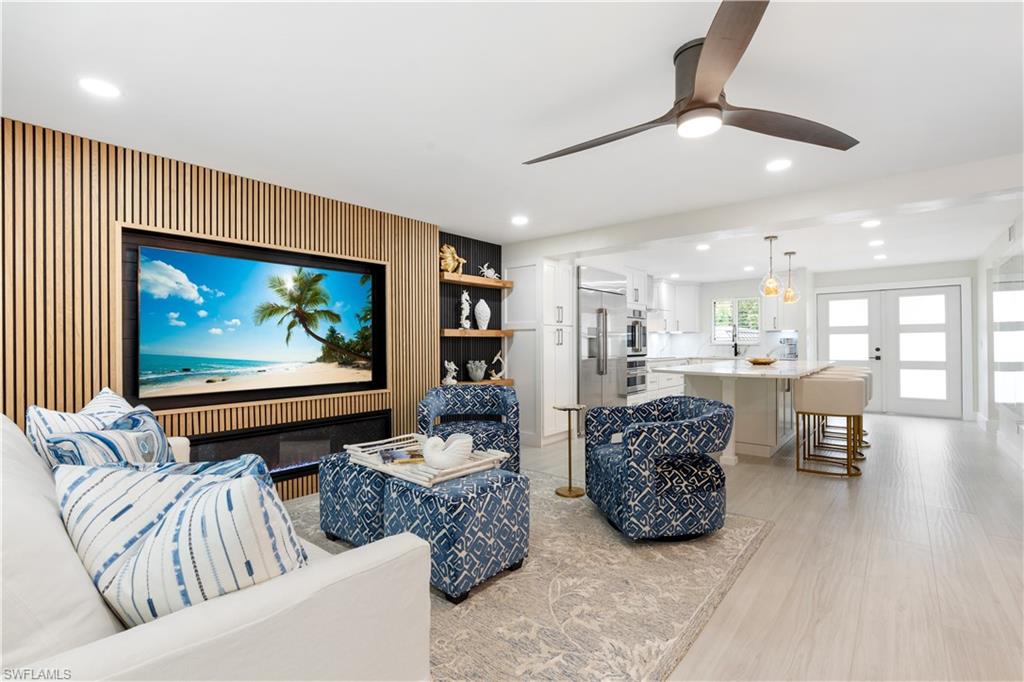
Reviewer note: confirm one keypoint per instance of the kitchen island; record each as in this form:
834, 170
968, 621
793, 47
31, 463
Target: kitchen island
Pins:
762, 397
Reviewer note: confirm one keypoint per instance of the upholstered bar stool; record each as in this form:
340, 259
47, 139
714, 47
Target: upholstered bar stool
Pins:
816, 398
865, 374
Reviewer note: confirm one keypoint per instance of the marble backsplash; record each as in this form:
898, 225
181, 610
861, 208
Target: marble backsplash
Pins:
697, 344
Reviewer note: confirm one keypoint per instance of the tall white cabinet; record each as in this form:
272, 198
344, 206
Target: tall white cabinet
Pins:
542, 354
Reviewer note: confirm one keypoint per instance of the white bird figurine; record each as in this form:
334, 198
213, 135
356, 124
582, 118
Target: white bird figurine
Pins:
445, 454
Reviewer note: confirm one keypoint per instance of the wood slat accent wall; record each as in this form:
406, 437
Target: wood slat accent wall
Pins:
65, 199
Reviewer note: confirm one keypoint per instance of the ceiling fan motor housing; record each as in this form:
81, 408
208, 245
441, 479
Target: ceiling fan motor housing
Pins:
685, 60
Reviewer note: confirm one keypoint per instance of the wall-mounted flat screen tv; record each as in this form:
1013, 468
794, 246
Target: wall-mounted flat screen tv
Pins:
218, 323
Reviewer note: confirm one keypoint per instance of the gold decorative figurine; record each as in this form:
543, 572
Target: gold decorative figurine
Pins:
450, 260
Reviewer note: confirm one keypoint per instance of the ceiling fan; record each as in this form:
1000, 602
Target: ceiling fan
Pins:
703, 66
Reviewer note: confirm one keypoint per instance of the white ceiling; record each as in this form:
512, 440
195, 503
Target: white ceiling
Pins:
952, 234
428, 110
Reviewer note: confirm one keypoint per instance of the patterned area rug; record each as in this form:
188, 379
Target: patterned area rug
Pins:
586, 604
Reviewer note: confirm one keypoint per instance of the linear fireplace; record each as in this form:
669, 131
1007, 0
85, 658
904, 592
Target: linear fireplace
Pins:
294, 449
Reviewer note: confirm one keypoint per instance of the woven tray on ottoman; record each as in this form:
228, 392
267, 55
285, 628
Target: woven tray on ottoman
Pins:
477, 526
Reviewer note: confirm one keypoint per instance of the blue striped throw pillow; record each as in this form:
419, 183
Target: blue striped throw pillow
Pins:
154, 543
134, 438
41, 423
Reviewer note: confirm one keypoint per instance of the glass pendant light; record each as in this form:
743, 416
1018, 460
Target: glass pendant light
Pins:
769, 284
790, 295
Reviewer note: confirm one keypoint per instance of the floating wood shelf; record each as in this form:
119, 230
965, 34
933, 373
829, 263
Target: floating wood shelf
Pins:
492, 333
475, 281
492, 382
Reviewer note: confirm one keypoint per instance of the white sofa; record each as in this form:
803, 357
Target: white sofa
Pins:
364, 614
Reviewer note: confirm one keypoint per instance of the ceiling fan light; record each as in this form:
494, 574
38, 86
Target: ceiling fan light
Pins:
699, 122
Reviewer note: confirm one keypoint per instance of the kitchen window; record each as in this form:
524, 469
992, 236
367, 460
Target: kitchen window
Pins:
736, 319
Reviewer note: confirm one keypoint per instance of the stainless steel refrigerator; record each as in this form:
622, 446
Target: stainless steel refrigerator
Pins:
601, 306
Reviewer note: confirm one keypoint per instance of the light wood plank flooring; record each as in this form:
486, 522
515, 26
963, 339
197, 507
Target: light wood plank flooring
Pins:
912, 572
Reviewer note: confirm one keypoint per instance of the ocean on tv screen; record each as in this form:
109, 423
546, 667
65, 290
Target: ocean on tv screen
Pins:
210, 323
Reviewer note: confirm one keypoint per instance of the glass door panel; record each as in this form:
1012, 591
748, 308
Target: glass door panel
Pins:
849, 333
923, 375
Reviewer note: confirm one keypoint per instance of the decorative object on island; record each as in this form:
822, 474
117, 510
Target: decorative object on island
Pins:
761, 361
466, 302
770, 284
500, 373
450, 259
482, 311
570, 490
790, 295
441, 453
487, 271
476, 369
451, 372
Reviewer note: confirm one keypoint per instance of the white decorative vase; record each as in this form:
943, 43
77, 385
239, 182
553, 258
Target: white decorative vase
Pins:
476, 369
483, 314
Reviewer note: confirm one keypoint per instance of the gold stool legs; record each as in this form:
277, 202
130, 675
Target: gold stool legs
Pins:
811, 438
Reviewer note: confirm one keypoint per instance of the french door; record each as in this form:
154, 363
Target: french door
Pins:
910, 339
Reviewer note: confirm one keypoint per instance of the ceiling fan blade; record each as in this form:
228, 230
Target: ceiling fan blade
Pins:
727, 39
669, 117
786, 126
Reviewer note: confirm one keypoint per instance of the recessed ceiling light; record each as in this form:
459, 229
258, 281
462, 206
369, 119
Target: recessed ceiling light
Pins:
748, 268
520, 220
100, 88
880, 256
871, 223
777, 165
876, 242
703, 247
674, 275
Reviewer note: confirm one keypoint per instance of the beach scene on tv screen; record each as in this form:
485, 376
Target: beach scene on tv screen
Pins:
211, 323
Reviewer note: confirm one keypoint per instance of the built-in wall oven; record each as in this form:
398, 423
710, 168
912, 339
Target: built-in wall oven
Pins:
636, 375
636, 332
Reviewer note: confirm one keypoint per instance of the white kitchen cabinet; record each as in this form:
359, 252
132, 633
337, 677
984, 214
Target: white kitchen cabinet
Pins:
636, 288
686, 308
776, 315
770, 313
558, 292
674, 307
663, 297
559, 377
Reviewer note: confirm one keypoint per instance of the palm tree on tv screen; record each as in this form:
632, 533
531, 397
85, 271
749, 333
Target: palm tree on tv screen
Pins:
304, 302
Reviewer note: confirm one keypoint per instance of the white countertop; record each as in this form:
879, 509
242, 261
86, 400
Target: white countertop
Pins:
783, 369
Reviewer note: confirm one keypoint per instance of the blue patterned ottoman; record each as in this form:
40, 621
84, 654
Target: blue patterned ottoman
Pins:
477, 525
351, 501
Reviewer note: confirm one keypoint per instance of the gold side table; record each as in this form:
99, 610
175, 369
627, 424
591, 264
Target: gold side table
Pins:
570, 490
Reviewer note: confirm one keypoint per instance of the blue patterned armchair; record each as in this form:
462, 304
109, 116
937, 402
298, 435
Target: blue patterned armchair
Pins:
660, 481
475, 401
